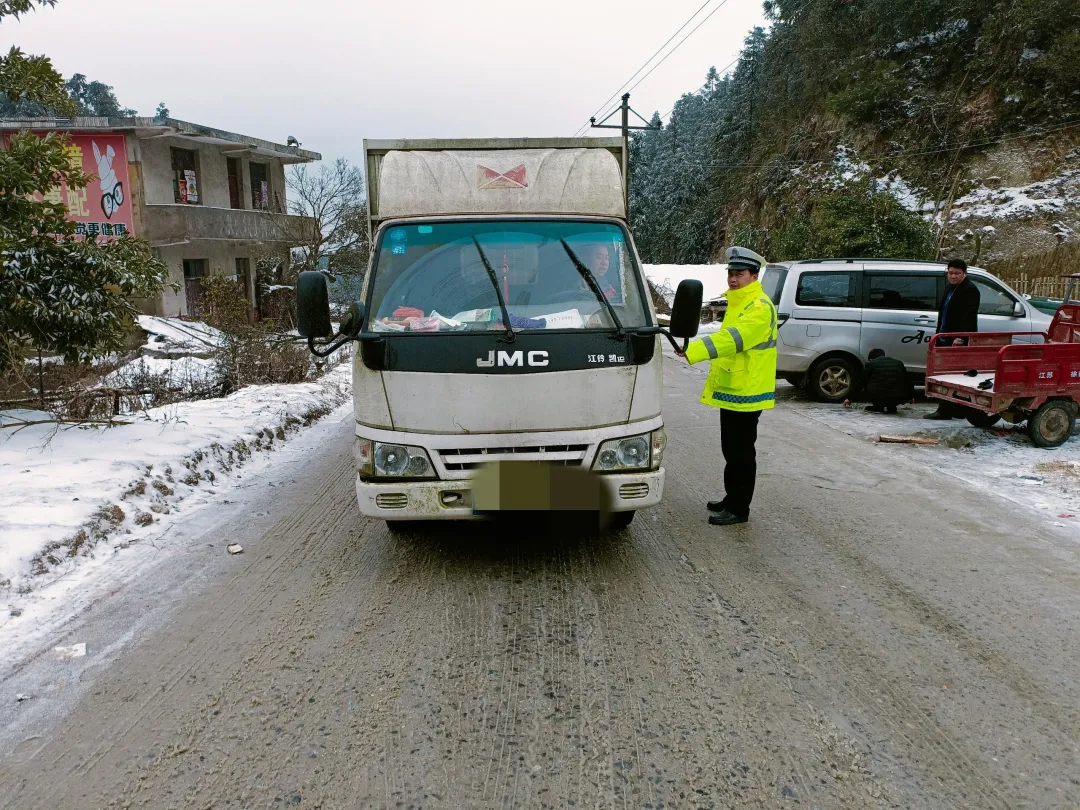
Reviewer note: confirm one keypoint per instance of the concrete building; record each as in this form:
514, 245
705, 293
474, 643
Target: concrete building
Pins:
209, 202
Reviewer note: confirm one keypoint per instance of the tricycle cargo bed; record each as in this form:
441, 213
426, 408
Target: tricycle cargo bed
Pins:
996, 375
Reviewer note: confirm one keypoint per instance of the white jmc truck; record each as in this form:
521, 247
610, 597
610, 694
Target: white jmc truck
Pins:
504, 319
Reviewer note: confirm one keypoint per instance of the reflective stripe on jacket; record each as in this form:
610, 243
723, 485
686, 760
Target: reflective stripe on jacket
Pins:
742, 355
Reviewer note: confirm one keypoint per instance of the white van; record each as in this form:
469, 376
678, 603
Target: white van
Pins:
833, 312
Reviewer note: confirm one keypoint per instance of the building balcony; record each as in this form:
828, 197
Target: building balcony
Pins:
178, 224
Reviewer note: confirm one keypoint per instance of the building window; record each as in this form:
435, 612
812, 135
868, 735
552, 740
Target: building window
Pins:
234, 183
194, 268
185, 177
260, 187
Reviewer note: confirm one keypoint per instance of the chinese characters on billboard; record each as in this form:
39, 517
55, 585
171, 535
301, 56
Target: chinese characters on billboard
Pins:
102, 209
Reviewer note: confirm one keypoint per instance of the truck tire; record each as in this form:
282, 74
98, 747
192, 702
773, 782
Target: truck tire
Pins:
621, 520
833, 379
1052, 424
982, 419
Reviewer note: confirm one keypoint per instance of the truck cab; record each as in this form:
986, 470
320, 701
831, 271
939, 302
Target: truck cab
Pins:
505, 319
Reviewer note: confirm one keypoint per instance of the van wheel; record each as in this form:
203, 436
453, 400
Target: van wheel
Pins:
833, 380
1052, 424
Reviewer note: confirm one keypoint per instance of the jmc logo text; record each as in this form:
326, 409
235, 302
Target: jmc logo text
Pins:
518, 358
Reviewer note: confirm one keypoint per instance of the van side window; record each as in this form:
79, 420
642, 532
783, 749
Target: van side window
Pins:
826, 290
992, 299
910, 291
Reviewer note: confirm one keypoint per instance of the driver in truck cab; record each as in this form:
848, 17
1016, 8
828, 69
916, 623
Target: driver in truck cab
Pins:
742, 380
598, 259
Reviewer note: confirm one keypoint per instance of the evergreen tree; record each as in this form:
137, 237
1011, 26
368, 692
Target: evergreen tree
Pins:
57, 293
915, 86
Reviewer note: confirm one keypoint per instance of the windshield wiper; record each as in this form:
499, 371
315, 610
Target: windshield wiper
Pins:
510, 336
590, 280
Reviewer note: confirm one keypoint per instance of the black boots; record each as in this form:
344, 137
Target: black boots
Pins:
725, 518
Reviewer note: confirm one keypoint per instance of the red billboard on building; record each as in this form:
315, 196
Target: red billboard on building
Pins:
103, 209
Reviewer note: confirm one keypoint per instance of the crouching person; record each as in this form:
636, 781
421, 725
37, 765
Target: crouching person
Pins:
887, 383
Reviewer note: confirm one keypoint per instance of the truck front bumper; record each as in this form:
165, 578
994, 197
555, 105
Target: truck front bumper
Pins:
452, 500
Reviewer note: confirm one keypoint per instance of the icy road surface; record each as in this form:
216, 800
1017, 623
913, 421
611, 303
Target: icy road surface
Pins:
882, 634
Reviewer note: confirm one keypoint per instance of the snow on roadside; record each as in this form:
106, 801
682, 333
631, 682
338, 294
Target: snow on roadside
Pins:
179, 337
75, 496
1001, 461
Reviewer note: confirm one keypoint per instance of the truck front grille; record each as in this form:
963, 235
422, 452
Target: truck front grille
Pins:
462, 459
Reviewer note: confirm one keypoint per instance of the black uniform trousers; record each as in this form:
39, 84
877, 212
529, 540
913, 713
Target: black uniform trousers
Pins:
738, 435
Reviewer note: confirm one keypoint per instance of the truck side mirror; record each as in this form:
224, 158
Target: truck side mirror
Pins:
312, 306
1018, 310
686, 311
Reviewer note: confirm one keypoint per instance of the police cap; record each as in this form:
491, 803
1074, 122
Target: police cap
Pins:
740, 258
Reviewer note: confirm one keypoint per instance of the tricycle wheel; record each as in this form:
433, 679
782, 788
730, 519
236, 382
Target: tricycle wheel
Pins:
1052, 424
982, 419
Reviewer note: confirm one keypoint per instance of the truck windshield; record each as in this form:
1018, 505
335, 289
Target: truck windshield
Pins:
432, 278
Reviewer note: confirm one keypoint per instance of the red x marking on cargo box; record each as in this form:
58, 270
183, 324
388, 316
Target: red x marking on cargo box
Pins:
489, 178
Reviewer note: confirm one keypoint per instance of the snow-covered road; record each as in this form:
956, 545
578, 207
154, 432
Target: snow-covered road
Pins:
881, 634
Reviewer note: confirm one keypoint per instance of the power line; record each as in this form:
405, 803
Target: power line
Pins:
1041, 132
615, 95
669, 53
733, 62
585, 127
720, 73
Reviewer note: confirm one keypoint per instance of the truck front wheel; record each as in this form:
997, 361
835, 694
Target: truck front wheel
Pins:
621, 520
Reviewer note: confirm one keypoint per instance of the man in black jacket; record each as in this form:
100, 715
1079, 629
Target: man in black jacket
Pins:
887, 383
958, 312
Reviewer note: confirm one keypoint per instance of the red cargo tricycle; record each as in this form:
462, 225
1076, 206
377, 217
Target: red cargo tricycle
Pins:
997, 377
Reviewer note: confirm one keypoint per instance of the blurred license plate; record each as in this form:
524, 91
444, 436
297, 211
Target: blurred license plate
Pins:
529, 486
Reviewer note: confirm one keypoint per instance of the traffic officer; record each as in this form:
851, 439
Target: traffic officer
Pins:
742, 380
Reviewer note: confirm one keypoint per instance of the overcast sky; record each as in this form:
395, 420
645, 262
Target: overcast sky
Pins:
332, 72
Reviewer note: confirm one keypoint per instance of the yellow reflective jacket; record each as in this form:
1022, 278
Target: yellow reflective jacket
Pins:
742, 371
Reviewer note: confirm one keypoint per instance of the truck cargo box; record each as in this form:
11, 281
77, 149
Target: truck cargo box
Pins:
413, 178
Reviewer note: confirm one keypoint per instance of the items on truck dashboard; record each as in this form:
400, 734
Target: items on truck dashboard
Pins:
408, 319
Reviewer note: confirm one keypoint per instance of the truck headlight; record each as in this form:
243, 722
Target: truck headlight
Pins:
641, 452
391, 460
401, 461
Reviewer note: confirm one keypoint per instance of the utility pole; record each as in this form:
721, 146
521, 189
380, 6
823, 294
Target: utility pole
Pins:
625, 109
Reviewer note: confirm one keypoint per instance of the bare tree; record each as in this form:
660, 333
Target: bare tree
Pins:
331, 212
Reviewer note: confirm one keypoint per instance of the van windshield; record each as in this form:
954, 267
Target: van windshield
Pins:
432, 278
